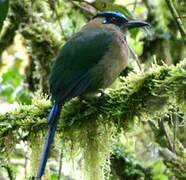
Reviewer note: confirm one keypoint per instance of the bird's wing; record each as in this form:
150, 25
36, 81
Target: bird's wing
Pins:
70, 74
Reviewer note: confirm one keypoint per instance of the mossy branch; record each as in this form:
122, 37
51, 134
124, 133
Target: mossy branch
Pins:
91, 125
145, 94
172, 160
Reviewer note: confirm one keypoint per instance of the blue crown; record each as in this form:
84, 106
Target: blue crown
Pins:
109, 14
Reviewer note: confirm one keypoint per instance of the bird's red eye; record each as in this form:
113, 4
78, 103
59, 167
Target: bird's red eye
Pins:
113, 20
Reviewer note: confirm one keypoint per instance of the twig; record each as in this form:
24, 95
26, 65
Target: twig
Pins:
9, 172
168, 155
135, 57
175, 120
177, 20
60, 164
132, 4
134, 7
166, 133
58, 19
26, 162
83, 8
181, 17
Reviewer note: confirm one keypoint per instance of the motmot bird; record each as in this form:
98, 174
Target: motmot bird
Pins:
90, 60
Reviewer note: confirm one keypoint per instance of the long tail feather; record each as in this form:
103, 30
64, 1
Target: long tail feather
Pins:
53, 113
53, 121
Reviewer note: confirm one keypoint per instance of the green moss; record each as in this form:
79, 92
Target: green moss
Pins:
36, 149
88, 127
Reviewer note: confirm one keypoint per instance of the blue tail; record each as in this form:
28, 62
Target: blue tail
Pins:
53, 113
53, 121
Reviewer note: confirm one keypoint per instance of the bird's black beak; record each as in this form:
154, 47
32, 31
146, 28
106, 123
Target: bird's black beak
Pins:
136, 23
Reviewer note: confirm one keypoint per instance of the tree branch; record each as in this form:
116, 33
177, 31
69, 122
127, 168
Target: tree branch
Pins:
177, 20
146, 94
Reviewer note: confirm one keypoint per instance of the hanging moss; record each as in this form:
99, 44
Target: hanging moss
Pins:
36, 148
94, 141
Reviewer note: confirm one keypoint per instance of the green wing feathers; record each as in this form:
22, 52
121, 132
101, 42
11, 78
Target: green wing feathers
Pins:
70, 74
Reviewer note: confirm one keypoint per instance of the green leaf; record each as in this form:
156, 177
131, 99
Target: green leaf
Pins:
159, 171
4, 4
24, 98
12, 76
106, 6
7, 93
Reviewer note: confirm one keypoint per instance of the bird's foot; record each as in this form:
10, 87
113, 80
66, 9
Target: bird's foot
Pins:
93, 97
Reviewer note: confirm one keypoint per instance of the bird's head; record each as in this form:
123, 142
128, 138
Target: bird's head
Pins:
120, 20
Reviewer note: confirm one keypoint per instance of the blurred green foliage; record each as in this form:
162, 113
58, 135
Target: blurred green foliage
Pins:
4, 5
159, 171
12, 87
